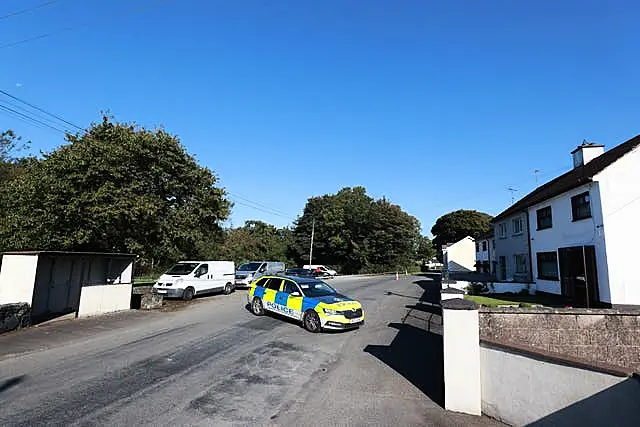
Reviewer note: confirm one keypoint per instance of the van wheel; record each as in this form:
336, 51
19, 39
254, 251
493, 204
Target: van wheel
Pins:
311, 321
228, 289
256, 307
188, 294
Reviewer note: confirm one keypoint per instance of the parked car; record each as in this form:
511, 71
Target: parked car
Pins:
301, 272
317, 305
187, 279
322, 269
250, 271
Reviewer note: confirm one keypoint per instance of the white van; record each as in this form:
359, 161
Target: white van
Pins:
187, 279
250, 271
322, 269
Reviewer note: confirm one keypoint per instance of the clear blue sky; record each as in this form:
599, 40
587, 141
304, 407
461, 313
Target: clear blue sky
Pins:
436, 105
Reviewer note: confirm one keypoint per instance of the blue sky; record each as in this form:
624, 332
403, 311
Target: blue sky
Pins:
436, 105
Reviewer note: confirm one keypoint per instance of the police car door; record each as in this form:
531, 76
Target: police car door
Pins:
292, 298
271, 289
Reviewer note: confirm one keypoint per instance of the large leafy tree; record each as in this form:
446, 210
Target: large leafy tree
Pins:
425, 250
119, 188
456, 225
255, 241
355, 233
11, 163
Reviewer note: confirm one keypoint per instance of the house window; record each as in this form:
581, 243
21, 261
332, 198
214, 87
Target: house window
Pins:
484, 246
477, 247
502, 230
520, 261
517, 226
544, 218
581, 206
547, 265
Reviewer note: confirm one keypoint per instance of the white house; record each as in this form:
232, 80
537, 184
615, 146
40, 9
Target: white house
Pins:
485, 246
459, 256
582, 227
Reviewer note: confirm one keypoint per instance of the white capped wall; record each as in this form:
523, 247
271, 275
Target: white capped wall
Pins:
620, 192
17, 278
567, 233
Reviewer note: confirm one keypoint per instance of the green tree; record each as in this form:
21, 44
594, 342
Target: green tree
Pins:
255, 241
355, 233
115, 188
457, 225
11, 164
425, 250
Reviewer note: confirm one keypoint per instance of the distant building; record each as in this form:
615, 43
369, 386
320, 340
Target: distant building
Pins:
485, 248
459, 256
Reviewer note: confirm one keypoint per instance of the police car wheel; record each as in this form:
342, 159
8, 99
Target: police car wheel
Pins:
227, 289
256, 307
311, 321
188, 294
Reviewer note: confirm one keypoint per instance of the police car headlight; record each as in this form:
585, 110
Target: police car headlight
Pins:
330, 312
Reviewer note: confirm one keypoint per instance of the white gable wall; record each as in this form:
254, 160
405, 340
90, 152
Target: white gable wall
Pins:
620, 188
17, 278
461, 256
567, 233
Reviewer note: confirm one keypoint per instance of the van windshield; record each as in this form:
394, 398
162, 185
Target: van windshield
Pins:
183, 268
250, 266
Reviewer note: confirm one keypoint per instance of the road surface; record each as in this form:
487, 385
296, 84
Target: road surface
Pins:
213, 363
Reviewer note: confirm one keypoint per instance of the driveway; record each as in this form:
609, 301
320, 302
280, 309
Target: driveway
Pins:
214, 363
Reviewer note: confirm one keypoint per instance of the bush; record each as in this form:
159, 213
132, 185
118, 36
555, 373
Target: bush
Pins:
477, 288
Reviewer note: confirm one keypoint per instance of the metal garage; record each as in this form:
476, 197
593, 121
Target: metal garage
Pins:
58, 283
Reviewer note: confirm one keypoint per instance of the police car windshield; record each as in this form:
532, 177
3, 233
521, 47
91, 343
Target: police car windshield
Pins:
316, 289
182, 268
250, 266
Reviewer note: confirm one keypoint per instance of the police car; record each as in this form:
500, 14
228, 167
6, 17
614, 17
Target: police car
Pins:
306, 299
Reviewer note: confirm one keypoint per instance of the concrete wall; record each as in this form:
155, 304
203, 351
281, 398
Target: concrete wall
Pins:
620, 196
510, 246
17, 278
99, 299
502, 287
522, 390
567, 233
600, 336
461, 255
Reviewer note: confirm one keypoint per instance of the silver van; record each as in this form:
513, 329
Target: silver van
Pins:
250, 271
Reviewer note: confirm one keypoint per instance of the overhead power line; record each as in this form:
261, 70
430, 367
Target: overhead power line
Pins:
130, 11
40, 109
262, 210
30, 119
258, 204
29, 9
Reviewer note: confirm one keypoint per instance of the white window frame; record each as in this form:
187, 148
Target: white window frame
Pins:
502, 230
519, 221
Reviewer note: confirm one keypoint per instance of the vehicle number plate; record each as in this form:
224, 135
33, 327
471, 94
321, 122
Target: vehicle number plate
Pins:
358, 320
162, 291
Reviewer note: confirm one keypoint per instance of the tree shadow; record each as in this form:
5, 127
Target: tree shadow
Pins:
416, 352
417, 355
12, 382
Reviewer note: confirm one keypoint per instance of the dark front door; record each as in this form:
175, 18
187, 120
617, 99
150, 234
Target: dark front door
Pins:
579, 278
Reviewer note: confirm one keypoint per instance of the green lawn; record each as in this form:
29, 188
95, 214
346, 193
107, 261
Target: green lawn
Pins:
512, 299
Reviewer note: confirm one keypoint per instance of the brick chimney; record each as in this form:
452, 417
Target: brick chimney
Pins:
586, 152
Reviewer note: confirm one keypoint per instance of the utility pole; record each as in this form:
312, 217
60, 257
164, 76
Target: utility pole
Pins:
313, 229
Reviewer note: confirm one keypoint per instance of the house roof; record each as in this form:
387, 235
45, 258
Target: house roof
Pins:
69, 253
572, 179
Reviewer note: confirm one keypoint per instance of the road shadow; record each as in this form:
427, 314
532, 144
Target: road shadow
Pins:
416, 352
12, 382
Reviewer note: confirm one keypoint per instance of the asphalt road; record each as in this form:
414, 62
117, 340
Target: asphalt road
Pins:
212, 363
